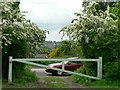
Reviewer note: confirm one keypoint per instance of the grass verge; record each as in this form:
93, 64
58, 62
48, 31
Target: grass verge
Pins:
97, 83
43, 82
104, 84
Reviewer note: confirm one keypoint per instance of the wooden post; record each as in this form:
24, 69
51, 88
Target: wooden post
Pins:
10, 70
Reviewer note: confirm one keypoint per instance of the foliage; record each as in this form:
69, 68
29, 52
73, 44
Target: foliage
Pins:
45, 50
26, 77
98, 35
20, 37
83, 80
54, 53
102, 6
99, 83
70, 49
15, 27
111, 70
66, 49
95, 33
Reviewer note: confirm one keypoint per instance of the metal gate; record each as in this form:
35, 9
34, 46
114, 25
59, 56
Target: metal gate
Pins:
28, 61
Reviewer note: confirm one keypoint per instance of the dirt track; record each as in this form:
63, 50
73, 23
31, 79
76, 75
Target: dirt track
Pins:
40, 72
46, 80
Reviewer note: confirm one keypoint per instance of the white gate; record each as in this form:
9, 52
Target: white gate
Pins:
27, 61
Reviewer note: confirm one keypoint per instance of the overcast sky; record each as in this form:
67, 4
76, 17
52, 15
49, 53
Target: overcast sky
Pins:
51, 14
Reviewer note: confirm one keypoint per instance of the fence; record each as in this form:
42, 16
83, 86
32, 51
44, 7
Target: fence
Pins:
27, 61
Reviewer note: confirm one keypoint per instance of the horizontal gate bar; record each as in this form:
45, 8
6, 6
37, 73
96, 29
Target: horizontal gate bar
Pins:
31, 59
40, 65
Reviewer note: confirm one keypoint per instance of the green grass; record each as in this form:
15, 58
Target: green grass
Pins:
27, 79
104, 84
43, 82
20, 85
28, 76
101, 84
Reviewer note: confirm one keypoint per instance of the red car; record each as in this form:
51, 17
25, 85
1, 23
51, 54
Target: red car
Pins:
69, 65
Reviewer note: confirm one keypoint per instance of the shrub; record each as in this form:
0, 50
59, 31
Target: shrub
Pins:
67, 49
54, 53
27, 76
111, 70
17, 50
81, 79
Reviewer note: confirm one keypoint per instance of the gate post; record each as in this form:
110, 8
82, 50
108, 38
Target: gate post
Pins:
10, 70
63, 65
99, 72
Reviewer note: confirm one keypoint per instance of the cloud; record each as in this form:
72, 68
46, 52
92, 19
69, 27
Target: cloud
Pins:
55, 36
54, 14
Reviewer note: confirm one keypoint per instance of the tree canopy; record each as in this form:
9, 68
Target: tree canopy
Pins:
98, 33
15, 27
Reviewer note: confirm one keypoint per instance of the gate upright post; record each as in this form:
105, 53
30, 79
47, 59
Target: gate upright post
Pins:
63, 65
10, 70
99, 74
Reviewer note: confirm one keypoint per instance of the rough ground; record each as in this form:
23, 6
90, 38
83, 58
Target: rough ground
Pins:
47, 81
65, 81
72, 84
42, 74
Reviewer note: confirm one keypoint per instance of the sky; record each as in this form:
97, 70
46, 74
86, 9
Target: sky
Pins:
51, 15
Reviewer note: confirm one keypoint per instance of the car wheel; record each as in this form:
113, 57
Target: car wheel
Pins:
59, 73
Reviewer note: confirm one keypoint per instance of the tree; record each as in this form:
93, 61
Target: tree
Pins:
98, 35
20, 37
66, 48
